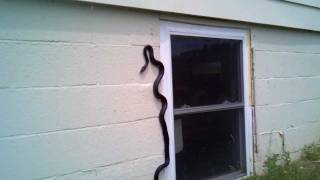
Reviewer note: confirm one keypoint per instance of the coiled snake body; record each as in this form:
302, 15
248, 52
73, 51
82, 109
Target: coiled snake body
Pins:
148, 50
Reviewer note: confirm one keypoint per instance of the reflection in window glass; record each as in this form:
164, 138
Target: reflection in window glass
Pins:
208, 144
206, 71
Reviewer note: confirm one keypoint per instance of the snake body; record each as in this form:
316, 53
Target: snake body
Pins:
149, 56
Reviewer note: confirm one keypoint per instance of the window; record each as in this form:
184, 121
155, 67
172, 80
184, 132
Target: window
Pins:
207, 98
208, 108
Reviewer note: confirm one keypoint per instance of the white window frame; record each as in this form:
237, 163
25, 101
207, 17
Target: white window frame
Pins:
173, 28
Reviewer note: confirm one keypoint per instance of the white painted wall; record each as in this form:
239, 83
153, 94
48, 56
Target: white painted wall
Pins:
287, 84
285, 13
74, 106
311, 3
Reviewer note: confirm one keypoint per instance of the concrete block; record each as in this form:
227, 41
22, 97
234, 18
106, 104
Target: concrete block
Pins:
81, 175
268, 144
286, 90
39, 64
299, 137
62, 21
138, 169
287, 116
58, 153
28, 111
141, 169
283, 64
284, 40
294, 140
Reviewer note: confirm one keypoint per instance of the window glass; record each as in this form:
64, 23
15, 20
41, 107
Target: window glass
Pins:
206, 71
208, 144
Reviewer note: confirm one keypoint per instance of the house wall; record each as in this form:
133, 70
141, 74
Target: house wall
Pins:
74, 106
280, 13
287, 84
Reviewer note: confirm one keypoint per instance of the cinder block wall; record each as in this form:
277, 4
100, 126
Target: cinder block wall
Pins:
74, 106
287, 86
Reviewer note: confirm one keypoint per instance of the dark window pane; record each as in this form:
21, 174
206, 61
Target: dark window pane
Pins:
205, 71
209, 144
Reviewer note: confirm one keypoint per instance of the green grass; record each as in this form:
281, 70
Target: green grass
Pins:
281, 167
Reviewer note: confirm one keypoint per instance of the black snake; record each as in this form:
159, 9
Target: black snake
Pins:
149, 50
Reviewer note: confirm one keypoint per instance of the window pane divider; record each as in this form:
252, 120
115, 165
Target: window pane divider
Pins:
209, 108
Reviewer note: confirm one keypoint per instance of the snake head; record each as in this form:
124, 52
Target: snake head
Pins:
146, 50
144, 67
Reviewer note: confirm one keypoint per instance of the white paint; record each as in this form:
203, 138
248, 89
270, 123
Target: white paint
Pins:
286, 90
270, 12
72, 100
313, 3
169, 28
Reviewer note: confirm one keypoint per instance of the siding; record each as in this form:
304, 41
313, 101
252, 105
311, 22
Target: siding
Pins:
73, 104
287, 84
276, 13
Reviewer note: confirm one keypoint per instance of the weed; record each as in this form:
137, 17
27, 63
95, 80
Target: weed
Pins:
281, 167
311, 152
